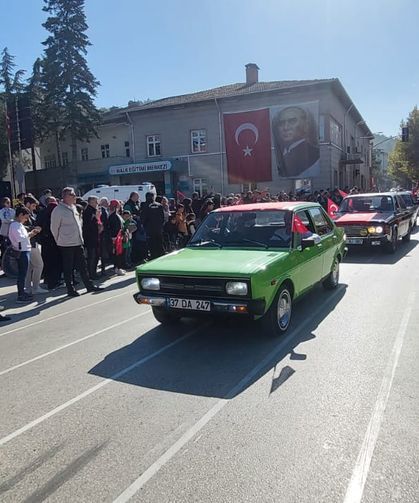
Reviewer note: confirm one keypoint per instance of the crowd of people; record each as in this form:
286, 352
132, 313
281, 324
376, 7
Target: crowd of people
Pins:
53, 237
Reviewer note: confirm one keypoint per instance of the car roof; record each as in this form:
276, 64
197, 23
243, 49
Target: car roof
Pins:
373, 194
289, 205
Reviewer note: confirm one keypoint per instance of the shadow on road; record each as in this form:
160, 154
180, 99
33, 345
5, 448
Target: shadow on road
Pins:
218, 355
55, 298
378, 256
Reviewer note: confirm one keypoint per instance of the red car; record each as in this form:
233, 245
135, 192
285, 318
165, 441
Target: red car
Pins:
379, 220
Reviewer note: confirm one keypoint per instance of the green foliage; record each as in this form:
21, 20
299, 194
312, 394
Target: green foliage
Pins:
67, 83
404, 160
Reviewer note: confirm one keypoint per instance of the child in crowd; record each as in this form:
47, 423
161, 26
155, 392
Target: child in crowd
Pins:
128, 228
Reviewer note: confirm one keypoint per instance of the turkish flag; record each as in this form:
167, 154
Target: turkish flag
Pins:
343, 194
298, 226
248, 146
332, 207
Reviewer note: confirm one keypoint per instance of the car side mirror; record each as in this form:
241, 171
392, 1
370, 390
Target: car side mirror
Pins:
310, 241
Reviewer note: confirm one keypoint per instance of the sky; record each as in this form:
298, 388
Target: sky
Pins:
153, 49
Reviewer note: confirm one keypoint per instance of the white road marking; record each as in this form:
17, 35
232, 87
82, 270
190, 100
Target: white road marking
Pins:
85, 338
64, 314
92, 390
356, 485
131, 490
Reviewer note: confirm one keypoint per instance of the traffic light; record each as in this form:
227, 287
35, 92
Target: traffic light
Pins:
405, 133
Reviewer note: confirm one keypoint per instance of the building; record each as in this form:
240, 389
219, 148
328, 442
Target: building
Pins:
179, 142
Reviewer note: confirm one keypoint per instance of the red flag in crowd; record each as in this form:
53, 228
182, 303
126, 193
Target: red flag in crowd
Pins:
248, 146
343, 194
332, 207
180, 195
298, 226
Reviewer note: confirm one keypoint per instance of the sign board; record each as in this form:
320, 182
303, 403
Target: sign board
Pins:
142, 167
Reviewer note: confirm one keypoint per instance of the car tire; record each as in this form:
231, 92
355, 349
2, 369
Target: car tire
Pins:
332, 280
392, 246
164, 317
406, 238
278, 317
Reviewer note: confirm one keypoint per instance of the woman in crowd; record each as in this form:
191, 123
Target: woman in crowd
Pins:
21, 244
116, 224
207, 207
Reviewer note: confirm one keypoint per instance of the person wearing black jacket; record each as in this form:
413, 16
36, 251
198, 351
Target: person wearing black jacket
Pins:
105, 237
152, 218
53, 263
115, 223
91, 235
134, 207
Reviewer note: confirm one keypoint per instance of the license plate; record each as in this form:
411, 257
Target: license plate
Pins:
192, 304
354, 241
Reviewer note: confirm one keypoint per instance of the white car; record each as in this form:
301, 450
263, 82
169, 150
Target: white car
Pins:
121, 192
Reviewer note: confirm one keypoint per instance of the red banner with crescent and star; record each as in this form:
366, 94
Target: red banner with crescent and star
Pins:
248, 146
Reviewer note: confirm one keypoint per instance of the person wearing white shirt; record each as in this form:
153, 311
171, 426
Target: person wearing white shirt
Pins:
21, 244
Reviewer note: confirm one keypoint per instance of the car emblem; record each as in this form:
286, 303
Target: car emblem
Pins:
363, 232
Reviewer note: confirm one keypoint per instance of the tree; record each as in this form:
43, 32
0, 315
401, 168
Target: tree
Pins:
404, 160
11, 82
68, 85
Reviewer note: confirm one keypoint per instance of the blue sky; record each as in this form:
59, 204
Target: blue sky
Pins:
152, 49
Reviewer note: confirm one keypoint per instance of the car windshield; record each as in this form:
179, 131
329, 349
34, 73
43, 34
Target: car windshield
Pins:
367, 204
263, 229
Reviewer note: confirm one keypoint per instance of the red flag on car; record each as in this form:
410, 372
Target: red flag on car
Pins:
298, 226
332, 207
343, 194
248, 146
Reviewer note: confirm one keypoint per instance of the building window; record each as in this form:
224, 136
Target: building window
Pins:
64, 156
84, 154
200, 185
127, 149
198, 140
105, 150
335, 132
50, 161
246, 187
153, 145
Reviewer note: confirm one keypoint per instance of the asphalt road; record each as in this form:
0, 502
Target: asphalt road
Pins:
98, 402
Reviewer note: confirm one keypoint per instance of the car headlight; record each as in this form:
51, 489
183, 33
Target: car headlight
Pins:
236, 288
150, 284
375, 230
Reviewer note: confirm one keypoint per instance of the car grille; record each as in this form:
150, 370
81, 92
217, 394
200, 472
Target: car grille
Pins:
355, 230
196, 287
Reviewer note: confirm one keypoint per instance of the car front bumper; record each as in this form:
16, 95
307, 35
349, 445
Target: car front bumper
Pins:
368, 241
253, 307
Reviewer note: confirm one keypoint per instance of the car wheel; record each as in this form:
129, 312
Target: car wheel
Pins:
392, 246
278, 317
332, 281
164, 317
406, 238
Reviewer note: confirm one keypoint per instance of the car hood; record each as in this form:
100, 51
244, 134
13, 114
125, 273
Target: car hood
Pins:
213, 262
362, 218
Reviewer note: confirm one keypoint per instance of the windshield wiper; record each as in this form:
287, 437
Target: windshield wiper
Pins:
205, 242
245, 240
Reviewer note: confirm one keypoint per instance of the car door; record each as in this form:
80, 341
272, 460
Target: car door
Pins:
403, 216
327, 246
308, 263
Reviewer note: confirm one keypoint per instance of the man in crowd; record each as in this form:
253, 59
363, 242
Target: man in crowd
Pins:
153, 221
91, 231
105, 236
67, 231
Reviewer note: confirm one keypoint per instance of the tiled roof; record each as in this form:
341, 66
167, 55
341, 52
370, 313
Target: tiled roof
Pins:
230, 90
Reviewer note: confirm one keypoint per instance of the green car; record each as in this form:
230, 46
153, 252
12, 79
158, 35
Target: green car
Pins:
250, 261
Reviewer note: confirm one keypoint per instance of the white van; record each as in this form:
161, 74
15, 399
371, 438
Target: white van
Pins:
121, 192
